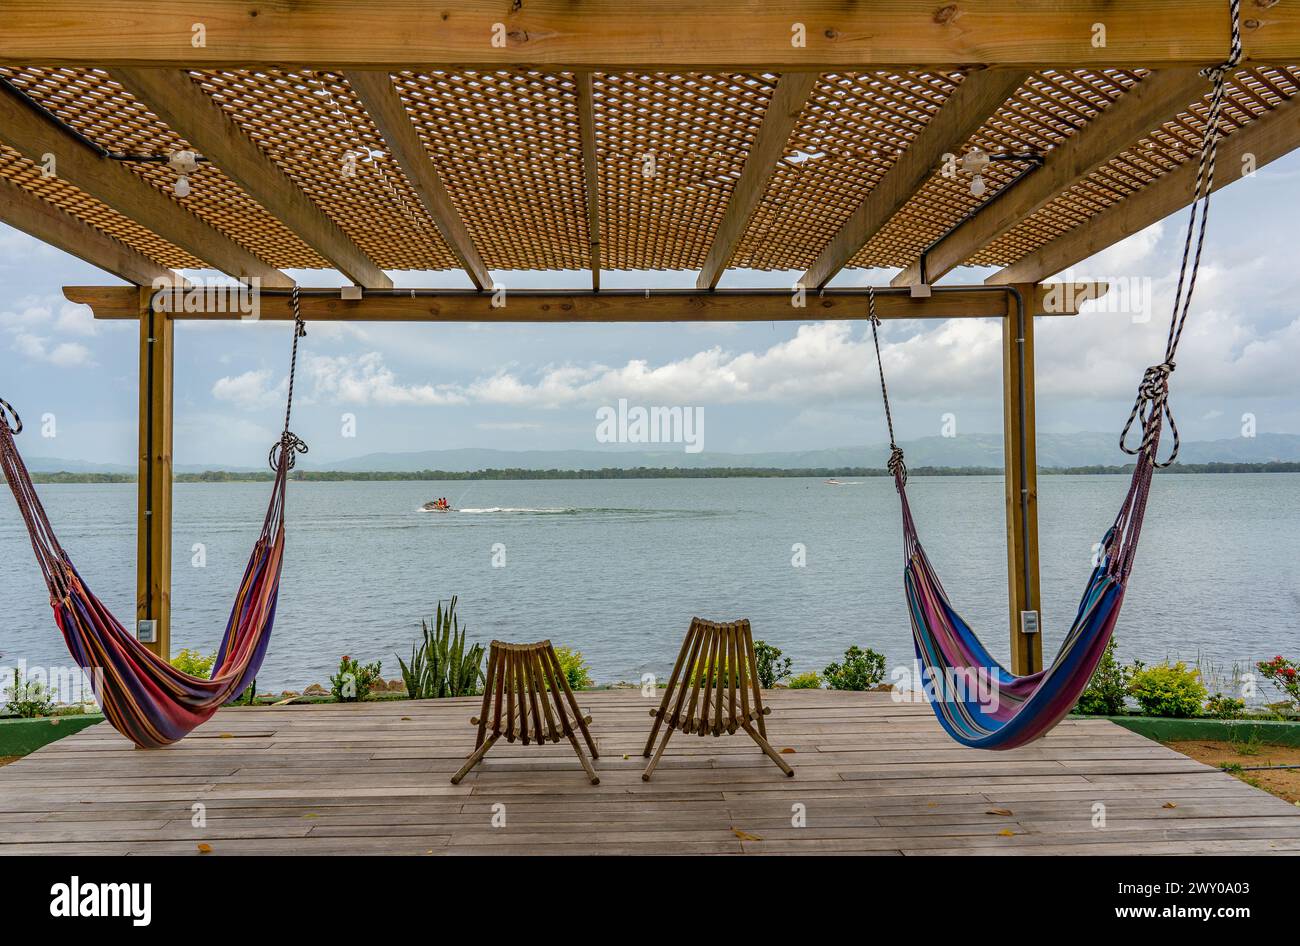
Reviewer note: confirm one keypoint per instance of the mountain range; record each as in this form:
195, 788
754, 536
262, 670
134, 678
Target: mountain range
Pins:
968, 450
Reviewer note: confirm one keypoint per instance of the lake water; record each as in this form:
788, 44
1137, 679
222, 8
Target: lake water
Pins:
616, 568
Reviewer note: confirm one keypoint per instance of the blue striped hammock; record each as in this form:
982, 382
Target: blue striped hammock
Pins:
979, 702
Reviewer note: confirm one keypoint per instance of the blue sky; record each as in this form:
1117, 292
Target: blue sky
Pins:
784, 386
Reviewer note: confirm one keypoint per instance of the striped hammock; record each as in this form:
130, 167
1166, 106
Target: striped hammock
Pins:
980, 703
144, 697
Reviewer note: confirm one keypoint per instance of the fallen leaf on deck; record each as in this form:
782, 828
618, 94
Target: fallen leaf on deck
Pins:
310, 814
205, 848
999, 811
1169, 804
745, 835
1007, 833
227, 735
788, 750
406, 718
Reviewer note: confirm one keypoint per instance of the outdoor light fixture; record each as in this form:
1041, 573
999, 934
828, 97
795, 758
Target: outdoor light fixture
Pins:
974, 163
184, 163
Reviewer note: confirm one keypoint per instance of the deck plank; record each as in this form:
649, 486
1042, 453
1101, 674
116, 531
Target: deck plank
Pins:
872, 777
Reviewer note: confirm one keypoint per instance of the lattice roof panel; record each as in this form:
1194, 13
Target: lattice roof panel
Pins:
1251, 94
318, 133
30, 177
103, 111
670, 150
508, 150
849, 134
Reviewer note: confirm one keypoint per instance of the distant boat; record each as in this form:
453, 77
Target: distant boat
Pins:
435, 506
833, 482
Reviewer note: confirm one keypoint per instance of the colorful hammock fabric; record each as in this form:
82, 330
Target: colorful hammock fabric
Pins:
144, 697
980, 703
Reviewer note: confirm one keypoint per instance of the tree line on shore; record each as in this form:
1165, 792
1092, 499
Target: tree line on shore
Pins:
620, 473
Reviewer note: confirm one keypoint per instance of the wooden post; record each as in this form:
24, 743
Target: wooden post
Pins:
1021, 482
154, 488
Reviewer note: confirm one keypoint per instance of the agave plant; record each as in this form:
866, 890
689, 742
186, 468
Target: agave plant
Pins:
441, 665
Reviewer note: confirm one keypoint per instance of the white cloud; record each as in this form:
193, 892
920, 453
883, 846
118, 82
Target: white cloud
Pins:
35, 324
251, 390
60, 354
365, 379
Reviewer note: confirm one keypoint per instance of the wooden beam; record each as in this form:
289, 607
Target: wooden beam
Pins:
971, 103
590, 171
1265, 139
154, 482
115, 185
23, 210
677, 35
1021, 479
111, 183
788, 99
666, 305
1144, 107
381, 101
190, 112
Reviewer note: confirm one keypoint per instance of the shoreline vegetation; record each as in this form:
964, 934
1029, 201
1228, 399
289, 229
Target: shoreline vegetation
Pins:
635, 473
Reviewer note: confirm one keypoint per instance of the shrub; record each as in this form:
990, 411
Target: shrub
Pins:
1283, 674
806, 681
861, 670
28, 698
772, 666
1105, 692
575, 667
194, 663
1225, 707
440, 663
1168, 690
353, 681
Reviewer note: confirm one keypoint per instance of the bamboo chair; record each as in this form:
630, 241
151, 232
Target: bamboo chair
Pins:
520, 678
721, 677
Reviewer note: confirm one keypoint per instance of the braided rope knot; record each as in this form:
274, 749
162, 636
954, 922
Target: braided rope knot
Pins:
287, 447
896, 465
1151, 407
7, 411
1234, 45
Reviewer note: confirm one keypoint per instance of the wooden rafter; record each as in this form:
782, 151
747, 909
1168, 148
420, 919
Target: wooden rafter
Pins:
377, 94
788, 100
117, 186
1145, 107
24, 211
590, 170
1260, 142
682, 305
969, 106
656, 37
190, 112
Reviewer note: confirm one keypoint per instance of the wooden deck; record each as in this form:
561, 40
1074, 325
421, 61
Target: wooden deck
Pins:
875, 777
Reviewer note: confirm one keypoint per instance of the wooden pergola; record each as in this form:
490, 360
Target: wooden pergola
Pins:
492, 136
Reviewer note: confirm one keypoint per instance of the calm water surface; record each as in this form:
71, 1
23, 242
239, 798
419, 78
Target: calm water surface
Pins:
616, 568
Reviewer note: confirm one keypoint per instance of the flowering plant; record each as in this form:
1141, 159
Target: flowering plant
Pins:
1283, 674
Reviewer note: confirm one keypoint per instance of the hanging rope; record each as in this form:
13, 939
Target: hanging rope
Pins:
290, 444
896, 464
1152, 404
7, 411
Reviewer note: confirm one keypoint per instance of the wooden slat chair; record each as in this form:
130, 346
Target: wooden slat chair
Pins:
527, 693
714, 680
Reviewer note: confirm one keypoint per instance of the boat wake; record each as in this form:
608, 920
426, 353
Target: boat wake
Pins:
536, 511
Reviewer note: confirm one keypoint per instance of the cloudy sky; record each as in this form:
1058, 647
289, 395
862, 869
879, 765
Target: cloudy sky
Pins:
783, 386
